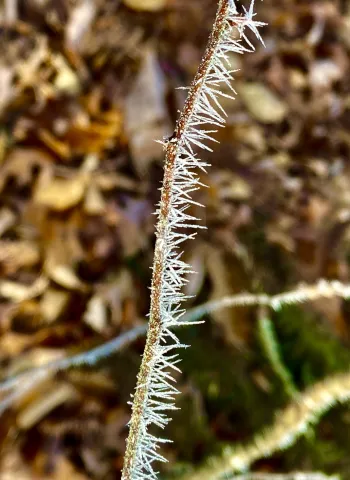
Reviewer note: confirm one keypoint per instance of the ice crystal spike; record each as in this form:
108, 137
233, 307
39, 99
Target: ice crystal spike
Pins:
201, 115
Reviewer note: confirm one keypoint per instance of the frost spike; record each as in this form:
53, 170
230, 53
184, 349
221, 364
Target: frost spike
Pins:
154, 393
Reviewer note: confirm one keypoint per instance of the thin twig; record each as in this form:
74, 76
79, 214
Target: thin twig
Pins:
93, 356
285, 476
290, 424
29, 378
154, 392
304, 293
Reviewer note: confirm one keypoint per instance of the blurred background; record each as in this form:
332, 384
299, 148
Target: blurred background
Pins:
86, 86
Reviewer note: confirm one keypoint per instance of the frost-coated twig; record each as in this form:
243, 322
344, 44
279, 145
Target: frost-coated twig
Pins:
302, 294
90, 358
85, 359
155, 392
285, 476
290, 423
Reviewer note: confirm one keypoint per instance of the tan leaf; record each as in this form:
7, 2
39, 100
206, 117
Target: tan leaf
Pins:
20, 164
146, 116
80, 20
85, 137
7, 220
6, 86
262, 103
64, 275
18, 254
66, 80
96, 314
53, 304
146, 5
59, 147
61, 194
13, 465
12, 344
40, 407
94, 203
19, 292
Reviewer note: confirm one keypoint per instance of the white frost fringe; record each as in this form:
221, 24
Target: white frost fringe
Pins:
207, 111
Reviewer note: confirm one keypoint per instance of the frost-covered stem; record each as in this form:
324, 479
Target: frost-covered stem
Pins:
172, 152
289, 425
304, 293
301, 294
285, 476
154, 391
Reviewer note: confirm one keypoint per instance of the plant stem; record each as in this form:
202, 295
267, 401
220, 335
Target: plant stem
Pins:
172, 155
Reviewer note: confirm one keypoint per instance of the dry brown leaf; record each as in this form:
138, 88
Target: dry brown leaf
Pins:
262, 103
146, 117
19, 292
111, 180
18, 254
251, 135
146, 5
324, 73
21, 163
53, 304
66, 81
53, 396
93, 381
116, 292
14, 291
7, 220
61, 194
61, 240
13, 465
96, 314
27, 71
86, 137
94, 203
12, 344
6, 86
80, 20
59, 147
64, 276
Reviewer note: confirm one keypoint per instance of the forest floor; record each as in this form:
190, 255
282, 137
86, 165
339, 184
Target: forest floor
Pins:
86, 86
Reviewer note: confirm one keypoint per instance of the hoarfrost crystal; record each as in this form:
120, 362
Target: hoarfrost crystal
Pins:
155, 391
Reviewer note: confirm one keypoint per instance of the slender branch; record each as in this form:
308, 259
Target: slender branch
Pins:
154, 393
93, 356
303, 293
290, 424
26, 383
84, 359
286, 476
172, 152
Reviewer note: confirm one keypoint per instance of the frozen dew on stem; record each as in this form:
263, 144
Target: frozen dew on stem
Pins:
202, 113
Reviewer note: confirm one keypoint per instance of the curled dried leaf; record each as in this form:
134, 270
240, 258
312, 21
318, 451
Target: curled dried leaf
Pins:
262, 103
61, 194
146, 5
